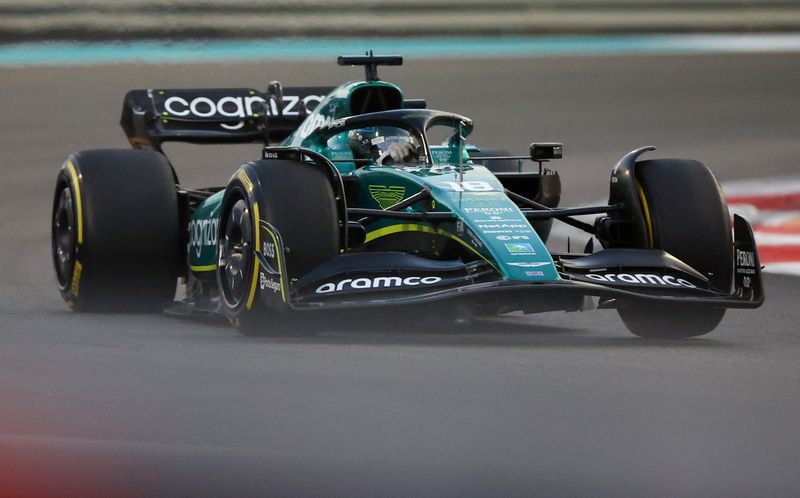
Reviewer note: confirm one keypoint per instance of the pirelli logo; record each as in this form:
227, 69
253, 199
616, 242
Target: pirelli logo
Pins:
746, 258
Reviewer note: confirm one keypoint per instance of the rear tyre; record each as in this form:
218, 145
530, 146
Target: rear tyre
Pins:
689, 219
297, 199
115, 231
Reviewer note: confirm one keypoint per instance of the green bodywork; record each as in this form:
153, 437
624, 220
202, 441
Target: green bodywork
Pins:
489, 225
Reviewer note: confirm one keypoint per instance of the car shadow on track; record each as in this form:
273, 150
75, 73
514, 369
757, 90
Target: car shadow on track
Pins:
504, 331
381, 329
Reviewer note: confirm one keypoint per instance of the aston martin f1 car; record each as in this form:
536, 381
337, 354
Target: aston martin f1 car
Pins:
363, 198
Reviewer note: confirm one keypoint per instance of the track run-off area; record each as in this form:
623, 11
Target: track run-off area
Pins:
552, 404
771, 205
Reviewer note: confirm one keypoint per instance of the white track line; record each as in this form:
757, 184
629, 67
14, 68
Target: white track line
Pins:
762, 186
776, 239
783, 268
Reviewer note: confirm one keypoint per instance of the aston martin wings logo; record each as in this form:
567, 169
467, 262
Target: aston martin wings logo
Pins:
387, 196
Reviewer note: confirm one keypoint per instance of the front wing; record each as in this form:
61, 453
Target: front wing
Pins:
360, 280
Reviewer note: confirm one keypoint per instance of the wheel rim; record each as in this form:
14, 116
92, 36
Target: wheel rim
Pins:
236, 254
64, 237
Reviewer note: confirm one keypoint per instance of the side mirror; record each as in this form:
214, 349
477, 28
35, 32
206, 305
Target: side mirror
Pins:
546, 150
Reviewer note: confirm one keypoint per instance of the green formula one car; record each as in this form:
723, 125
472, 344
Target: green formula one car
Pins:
363, 198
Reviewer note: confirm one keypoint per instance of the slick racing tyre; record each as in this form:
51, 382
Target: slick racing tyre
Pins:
687, 217
115, 231
298, 201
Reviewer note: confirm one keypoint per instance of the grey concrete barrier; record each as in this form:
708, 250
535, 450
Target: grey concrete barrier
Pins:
129, 19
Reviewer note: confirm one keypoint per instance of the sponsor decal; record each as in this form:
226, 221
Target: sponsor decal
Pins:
268, 249
202, 233
501, 225
474, 240
387, 196
489, 210
442, 155
531, 264
520, 248
512, 237
745, 258
746, 265
535, 273
460, 227
640, 278
486, 201
498, 231
375, 283
230, 106
265, 283
312, 123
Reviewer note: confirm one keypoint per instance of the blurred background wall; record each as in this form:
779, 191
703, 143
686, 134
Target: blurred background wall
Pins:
127, 19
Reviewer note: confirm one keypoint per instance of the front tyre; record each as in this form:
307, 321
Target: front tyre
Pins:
297, 199
237, 254
686, 216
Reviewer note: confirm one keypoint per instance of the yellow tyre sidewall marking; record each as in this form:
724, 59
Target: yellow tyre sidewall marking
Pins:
76, 278
248, 184
76, 186
77, 269
647, 220
413, 227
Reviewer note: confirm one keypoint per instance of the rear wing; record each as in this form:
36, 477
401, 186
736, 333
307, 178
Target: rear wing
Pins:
219, 115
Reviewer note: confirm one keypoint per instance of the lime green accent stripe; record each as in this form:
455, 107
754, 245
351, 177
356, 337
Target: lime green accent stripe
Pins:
401, 227
413, 227
203, 267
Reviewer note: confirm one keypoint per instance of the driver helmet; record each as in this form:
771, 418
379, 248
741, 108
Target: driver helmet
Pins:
363, 142
371, 143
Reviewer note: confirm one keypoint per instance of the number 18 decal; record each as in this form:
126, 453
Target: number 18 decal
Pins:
470, 186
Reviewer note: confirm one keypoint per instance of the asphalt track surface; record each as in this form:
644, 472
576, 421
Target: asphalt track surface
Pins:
552, 404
